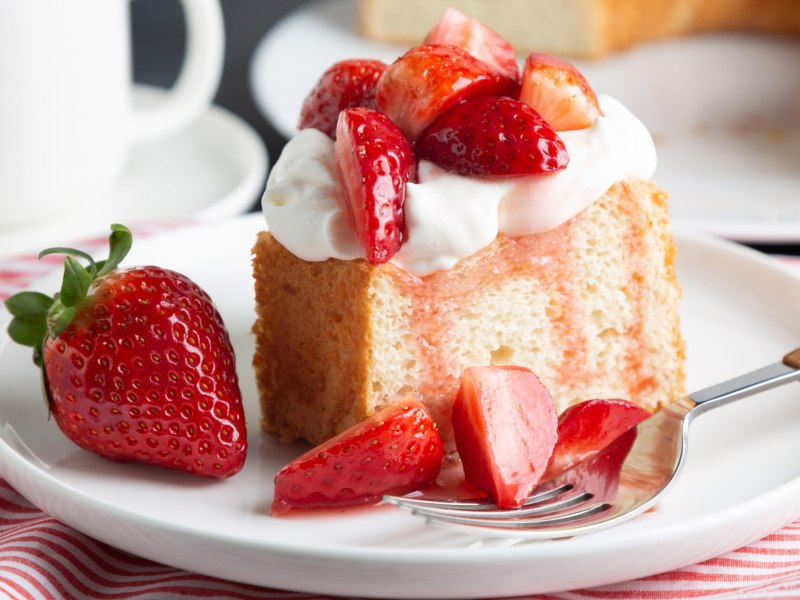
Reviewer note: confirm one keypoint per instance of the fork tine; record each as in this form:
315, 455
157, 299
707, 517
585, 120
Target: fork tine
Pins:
481, 504
515, 523
548, 508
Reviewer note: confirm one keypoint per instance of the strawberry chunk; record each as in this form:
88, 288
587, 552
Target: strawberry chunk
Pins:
587, 427
457, 29
396, 451
505, 429
346, 84
493, 137
558, 92
427, 80
375, 161
600, 474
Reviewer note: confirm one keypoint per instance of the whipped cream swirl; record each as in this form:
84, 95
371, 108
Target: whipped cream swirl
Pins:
450, 217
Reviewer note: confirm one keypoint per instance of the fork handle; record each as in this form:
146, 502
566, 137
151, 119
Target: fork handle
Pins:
793, 358
751, 383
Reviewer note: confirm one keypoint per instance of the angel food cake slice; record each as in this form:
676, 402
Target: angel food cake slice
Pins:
508, 220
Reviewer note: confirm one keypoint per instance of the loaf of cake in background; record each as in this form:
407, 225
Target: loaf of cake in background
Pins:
580, 28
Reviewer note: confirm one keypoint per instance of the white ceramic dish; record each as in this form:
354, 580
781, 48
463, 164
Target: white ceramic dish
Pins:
724, 110
214, 168
742, 479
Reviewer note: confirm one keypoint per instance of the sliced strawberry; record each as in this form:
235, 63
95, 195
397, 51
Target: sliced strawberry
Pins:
505, 429
396, 451
558, 92
600, 474
346, 84
427, 80
457, 29
587, 427
493, 137
375, 161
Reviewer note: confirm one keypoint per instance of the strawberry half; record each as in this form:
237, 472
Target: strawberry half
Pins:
427, 80
587, 427
375, 161
493, 137
505, 424
457, 29
137, 364
558, 92
346, 84
396, 451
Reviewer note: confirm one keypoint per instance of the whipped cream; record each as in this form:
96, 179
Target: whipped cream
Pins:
450, 217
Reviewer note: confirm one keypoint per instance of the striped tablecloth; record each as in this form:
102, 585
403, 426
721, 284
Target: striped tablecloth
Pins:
43, 558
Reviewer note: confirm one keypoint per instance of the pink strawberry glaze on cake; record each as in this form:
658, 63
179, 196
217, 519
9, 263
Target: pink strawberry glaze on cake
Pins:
437, 297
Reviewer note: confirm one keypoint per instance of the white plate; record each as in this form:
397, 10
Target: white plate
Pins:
742, 478
214, 168
724, 110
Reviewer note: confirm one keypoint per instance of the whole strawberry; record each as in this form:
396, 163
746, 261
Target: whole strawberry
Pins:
137, 363
346, 84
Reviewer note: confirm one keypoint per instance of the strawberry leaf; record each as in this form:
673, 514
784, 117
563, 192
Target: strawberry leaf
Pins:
29, 325
119, 244
69, 252
27, 304
75, 283
27, 331
38, 316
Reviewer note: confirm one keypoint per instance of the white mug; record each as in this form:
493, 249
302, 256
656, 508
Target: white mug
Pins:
66, 121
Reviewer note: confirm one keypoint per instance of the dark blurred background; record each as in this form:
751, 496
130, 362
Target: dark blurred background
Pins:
158, 46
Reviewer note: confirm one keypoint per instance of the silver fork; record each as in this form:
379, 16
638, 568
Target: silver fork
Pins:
618, 483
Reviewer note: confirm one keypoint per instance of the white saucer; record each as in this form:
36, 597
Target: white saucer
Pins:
213, 169
724, 110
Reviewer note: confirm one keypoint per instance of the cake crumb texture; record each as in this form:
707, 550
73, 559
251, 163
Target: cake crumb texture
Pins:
591, 307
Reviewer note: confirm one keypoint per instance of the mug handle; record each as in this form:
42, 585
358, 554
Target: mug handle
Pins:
198, 79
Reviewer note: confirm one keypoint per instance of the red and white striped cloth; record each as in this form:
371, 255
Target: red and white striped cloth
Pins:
43, 558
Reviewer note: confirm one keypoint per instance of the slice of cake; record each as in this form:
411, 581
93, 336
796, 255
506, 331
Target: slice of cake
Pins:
450, 226
586, 28
590, 307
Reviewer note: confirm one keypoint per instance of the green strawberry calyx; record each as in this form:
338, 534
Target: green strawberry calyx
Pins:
37, 316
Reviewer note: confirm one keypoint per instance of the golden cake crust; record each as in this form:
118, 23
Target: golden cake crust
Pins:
311, 324
591, 307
